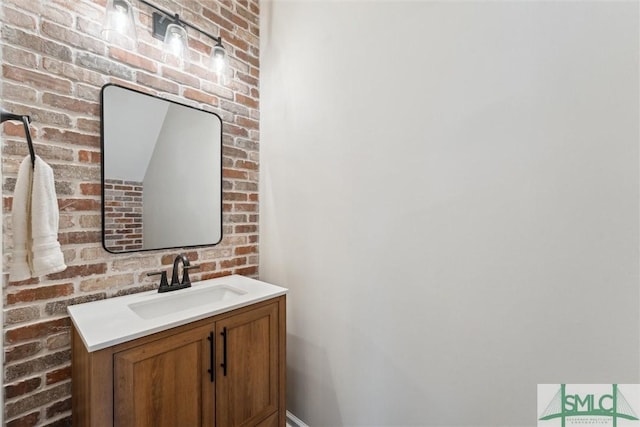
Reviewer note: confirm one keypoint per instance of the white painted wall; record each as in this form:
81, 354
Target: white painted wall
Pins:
450, 191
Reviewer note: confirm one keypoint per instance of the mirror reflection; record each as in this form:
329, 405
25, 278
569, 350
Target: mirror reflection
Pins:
161, 173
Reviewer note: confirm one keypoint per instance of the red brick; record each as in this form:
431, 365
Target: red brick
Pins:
38, 330
22, 351
133, 59
40, 293
58, 375
32, 281
62, 422
178, 76
59, 408
169, 258
39, 80
247, 123
254, 8
21, 315
71, 205
19, 19
71, 104
84, 270
25, 421
71, 137
85, 156
216, 274
239, 21
40, 364
242, 197
247, 271
36, 43
235, 262
14, 129
230, 38
60, 33
89, 125
233, 173
245, 207
217, 19
89, 189
243, 250
103, 65
235, 130
246, 228
249, 16
245, 100
248, 58
157, 83
245, 164
18, 57
76, 74
23, 387
245, 77
200, 96
37, 399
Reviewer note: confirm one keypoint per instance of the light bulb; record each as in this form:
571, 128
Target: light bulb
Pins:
119, 25
219, 58
175, 42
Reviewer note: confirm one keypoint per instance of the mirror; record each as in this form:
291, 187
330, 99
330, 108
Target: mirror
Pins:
161, 173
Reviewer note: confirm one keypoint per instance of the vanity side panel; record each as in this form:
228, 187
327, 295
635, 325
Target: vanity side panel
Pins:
91, 385
80, 380
282, 360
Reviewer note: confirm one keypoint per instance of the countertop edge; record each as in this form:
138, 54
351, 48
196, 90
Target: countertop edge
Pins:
97, 345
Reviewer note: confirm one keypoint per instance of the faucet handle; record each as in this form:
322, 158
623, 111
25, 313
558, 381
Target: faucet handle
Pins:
164, 283
185, 275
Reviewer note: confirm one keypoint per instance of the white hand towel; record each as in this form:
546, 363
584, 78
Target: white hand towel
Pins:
47, 254
35, 218
20, 218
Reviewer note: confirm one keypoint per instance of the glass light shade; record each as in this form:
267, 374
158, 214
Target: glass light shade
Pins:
119, 25
175, 42
219, 59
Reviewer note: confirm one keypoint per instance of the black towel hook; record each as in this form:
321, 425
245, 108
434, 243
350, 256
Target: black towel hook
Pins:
4, 116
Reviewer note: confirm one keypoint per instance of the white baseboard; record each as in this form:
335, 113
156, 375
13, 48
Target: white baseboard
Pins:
293, 421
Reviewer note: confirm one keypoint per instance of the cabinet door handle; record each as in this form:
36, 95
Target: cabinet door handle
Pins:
211, 370
224, 351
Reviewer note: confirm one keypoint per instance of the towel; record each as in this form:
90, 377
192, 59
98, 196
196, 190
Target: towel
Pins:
20, 214
35, 216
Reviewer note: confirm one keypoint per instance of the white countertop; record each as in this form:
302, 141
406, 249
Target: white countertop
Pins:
111, 321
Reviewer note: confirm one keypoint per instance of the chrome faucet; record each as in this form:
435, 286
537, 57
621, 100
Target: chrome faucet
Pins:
175, 282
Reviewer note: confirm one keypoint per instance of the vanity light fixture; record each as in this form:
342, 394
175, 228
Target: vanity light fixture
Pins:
175, 39
119, 25
167, 27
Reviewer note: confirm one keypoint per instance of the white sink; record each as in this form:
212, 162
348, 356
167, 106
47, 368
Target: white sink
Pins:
113, 321
184, 299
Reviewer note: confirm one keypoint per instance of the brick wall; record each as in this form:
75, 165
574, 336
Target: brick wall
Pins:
123, 215
54, 64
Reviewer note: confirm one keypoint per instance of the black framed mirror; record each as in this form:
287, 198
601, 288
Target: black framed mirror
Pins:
161, 173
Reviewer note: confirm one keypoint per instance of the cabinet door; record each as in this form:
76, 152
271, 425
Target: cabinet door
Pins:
247, 385
165, 382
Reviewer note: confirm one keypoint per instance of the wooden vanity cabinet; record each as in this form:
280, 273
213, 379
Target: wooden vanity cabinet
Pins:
167, 379
164, 382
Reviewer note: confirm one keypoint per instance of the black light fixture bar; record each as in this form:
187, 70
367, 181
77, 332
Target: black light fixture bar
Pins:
160, 23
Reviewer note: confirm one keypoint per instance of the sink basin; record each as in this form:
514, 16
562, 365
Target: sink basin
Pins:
114, 321
172, 302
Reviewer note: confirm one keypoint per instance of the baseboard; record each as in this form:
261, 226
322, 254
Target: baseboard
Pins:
293, 421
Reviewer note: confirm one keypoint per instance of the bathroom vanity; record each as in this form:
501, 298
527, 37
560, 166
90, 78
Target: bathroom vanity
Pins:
210, 355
